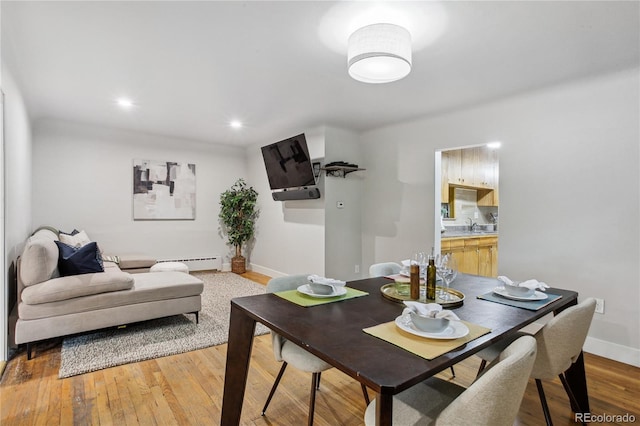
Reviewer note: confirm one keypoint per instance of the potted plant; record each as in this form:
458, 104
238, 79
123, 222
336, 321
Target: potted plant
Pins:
238, 212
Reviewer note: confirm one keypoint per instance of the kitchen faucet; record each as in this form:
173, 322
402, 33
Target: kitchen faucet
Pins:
472, 224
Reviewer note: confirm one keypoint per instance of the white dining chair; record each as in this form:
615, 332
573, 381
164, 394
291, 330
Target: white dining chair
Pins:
493, 399
384, 269
289, 353
560, 344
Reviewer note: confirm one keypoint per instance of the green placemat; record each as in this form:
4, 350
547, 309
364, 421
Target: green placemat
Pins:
532, 305
298, 298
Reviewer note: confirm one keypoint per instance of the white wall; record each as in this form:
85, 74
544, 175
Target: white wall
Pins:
343, 246
17, 191
83, 179
569, 193
290, 235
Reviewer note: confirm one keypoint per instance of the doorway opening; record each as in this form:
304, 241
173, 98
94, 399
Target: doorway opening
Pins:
466, 207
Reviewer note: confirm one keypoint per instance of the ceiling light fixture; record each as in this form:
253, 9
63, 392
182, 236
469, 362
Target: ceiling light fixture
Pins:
494, 144
236, 124
125, 103
379, 53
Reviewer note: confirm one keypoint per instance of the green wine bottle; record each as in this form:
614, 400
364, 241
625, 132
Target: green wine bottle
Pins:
431, 279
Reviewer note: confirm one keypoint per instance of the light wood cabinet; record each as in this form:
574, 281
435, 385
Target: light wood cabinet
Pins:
454, 166
488, 257
474, 255
475, 168
470, 167
455, 247
444, 180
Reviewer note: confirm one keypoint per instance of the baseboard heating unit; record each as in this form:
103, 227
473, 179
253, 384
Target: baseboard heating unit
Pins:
205, 263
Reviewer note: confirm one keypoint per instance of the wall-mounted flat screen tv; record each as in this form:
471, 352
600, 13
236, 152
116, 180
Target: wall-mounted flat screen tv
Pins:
288, 163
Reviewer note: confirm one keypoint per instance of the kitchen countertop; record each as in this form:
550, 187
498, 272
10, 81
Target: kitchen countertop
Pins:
468, 234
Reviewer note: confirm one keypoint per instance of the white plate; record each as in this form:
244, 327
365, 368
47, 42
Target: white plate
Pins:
305, 289
537, 295
455, 330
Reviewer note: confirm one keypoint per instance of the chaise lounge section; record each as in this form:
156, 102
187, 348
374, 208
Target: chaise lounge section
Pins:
50, 305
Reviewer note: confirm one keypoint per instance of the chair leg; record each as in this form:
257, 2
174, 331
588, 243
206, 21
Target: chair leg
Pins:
543, 400
315, 384
273, 388
365, 393
453, 372
318, 384
483, 364
572, 397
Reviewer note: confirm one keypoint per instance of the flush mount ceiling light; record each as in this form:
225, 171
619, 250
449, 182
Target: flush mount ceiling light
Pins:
124, 103
236, 124
379, 53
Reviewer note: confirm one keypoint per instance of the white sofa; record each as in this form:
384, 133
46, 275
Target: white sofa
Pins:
49, 305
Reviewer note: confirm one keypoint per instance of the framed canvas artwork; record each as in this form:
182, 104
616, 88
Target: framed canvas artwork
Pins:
164, 190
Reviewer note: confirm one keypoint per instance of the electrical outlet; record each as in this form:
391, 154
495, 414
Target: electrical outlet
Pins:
357, 269
600, 306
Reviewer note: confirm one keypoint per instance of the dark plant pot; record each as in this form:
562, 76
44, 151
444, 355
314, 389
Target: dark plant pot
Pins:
238, 265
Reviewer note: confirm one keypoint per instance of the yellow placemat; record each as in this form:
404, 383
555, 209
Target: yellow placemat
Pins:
422, 346
301, 299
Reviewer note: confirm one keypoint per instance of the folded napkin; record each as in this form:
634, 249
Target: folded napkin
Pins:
530, 284
322, 280
429, 310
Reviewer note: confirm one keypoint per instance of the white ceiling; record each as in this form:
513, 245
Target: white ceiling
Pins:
280, 67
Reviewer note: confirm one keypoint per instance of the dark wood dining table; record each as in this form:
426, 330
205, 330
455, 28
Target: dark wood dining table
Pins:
333, 332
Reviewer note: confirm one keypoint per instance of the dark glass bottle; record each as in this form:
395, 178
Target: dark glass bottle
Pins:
414, 280
431, 279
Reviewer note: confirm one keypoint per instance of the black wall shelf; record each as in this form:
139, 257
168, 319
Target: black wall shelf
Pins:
340, 171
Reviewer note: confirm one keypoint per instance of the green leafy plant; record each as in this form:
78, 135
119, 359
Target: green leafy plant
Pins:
238, 213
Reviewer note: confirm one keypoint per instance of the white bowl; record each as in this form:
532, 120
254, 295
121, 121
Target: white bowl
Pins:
324, 289
429, 324
515, 290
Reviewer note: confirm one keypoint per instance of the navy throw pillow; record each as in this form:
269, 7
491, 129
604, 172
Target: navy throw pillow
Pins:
81, 260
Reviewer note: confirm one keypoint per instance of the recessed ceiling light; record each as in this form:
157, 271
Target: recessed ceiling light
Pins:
124, 103
236, 124
494, 144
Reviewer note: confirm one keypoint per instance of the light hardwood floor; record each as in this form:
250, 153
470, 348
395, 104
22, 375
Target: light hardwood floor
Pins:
186, 389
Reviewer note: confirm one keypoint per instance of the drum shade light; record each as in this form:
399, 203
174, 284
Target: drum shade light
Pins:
379, 53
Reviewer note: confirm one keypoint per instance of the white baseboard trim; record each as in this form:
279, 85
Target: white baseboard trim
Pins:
612, 351
266, 271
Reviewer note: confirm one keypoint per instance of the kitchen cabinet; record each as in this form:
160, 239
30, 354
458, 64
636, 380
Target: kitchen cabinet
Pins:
470, 167
470, 261
488, 257
477, 255
455, 247
444, 181
489, 197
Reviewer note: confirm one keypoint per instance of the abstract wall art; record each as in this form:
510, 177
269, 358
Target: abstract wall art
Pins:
164, 190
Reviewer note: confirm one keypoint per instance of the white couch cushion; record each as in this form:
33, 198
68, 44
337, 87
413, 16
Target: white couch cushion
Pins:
39, 260
73, 286
77, 240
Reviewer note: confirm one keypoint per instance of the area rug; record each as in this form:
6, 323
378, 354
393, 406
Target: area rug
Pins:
164, 336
